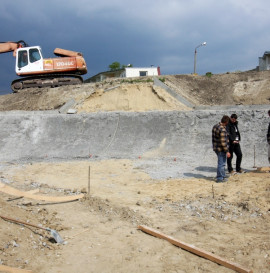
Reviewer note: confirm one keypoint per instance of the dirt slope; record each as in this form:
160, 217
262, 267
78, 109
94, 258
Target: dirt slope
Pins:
225, 89
115, 95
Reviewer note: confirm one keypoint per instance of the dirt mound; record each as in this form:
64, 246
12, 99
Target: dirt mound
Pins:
245, 88
131, 97
140, 95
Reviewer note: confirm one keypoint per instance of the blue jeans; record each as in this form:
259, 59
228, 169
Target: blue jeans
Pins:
221, 165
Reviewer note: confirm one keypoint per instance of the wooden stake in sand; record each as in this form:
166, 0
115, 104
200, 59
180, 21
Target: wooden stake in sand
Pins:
89, 181
202, 253
254, 166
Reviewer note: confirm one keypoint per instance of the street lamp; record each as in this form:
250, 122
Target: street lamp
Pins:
195, 55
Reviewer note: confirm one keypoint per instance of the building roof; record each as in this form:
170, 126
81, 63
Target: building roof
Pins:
116, 72
142, 67
109, 72
266, 53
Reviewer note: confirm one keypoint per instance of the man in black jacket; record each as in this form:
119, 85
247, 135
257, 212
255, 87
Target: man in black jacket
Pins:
234, 145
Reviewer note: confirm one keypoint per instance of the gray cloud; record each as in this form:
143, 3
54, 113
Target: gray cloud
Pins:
163, 33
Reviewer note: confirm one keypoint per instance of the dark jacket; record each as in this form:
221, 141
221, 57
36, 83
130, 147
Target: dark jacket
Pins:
233, 132
220, 138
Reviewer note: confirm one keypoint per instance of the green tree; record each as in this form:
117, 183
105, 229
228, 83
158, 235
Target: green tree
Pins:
114, 66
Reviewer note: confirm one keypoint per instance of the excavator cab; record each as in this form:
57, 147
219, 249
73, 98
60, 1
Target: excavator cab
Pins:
28, 60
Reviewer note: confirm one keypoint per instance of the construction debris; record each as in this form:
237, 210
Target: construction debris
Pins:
9, 190
53, 232
195, 250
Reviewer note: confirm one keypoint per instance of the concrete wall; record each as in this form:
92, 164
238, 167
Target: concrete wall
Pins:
135, 72
264, 63
184, 135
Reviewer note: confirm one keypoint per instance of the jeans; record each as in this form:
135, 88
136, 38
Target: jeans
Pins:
221, 165
235, 148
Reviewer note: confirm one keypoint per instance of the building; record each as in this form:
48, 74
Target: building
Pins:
127, 72
140, 72
264, 61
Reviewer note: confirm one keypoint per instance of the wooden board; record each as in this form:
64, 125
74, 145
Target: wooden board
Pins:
12, 191
4, 268
202, 253
263, 169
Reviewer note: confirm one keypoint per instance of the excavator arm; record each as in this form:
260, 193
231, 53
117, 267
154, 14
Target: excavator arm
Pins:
11, 46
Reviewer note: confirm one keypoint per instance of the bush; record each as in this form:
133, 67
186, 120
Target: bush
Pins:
162, 79
208, 74
137, 81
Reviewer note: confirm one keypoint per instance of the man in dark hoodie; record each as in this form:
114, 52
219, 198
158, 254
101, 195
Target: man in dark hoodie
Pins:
234, 145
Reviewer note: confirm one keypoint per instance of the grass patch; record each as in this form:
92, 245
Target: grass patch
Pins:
136, 81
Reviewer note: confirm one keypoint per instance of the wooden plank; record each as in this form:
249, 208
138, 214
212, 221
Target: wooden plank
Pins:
5, 268
263, 169
31, 192
12, 191
202, 253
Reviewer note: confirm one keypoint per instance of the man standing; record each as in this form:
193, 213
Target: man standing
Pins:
234, 145
220, 141
268, 139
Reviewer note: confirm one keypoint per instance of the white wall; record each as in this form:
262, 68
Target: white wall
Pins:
135, 71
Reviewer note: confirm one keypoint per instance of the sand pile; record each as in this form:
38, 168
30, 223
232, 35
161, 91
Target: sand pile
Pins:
131, 97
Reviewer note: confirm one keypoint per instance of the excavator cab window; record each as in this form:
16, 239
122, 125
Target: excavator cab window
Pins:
22, 58
34, 55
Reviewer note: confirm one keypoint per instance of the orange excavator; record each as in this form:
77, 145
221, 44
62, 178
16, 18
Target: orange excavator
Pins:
38, 72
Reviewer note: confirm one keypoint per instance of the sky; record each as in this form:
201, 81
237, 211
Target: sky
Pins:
141, 33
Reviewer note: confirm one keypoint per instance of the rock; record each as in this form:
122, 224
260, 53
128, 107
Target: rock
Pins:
83, 190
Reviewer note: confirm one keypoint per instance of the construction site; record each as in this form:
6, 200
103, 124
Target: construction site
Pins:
119, 176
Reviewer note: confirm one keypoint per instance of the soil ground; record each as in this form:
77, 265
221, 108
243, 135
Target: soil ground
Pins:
230, 220
246, 88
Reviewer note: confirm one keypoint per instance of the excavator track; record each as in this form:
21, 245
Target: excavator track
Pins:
41, 81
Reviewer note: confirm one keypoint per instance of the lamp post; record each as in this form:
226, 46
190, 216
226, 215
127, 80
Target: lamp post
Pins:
195, 55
